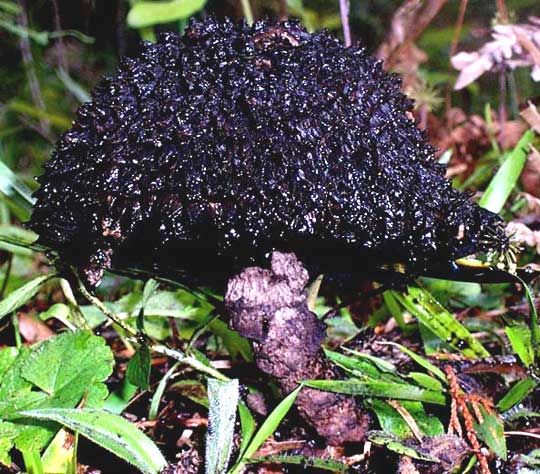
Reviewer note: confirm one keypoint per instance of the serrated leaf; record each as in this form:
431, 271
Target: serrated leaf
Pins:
138, 368
111, 432
374, 388
22, 295
437, 319
59, 372
223, 399
145, 13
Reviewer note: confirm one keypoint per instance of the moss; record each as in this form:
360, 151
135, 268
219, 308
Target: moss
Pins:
207, 151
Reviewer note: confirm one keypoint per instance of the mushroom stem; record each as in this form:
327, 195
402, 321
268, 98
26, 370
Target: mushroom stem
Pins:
269, 307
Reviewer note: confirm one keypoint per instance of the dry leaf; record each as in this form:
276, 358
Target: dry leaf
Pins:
530, 178
524, 235
512, 46
532, 117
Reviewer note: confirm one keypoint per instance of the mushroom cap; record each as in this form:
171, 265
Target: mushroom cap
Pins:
205, 152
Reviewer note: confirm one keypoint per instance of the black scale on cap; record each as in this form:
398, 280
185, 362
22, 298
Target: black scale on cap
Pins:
207, 151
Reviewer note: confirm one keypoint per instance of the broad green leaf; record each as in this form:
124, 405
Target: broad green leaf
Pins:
374, 388
111, 432
429, 312
58, 372
520, 339
491, 431
267, 429
394, 444
22, 295
516, 394
393, 423
305, 462
145, 13
507, 176
223, 399
138, 368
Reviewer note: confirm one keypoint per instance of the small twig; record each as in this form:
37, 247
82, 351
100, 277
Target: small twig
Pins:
283, 10
107, 312
503, 11
453, 48
61, 56
7, 274
344, 12
522, 433
411, 423
188, 360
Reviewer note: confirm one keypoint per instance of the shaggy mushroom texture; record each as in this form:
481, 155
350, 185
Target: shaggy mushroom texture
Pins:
207, 151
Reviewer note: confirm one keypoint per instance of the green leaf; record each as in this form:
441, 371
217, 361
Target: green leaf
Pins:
507, 176
392, 422
520, 339
58, 372
429, 312
491, 431
138, 368
516, 394
160, 390
394, 444
374, 388
16, 240
247, 422
22, 295
118, 400
267, 429
18, 194
223, 399
421, 361
111, 432
426, 381
145, 13
305, 462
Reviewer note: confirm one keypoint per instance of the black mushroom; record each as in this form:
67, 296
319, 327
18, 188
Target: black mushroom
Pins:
206, 152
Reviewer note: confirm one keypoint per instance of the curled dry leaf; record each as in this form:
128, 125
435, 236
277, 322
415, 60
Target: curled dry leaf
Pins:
531, 115
512, 46
530, 178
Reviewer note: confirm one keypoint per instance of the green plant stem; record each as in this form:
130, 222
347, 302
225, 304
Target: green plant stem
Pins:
79, 319
248, 12
188, 360
106, 311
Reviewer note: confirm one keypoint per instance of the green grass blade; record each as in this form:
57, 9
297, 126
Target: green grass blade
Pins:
507, 176
267, 428
21, 295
